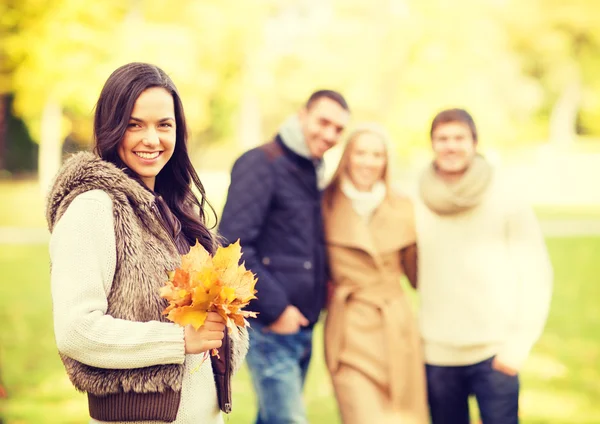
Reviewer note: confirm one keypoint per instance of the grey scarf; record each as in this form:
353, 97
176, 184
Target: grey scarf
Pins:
449, 198
293, 137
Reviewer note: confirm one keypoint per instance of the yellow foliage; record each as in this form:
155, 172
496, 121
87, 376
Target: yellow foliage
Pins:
205, 284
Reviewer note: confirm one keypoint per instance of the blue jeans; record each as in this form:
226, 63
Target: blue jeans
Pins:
449, 388
278, 365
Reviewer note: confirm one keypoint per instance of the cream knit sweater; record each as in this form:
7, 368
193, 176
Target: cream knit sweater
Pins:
83, 255
485, 281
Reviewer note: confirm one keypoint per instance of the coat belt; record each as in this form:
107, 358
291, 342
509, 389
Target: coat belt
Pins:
375, 296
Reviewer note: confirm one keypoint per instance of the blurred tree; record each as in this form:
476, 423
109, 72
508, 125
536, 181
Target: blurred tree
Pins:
57, 52
208, 48
399, 62
5, 74
244, 66
21, 151
559, 45
3, 128
61, 51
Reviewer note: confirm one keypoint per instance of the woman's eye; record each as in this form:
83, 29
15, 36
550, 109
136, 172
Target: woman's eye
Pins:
167, 125
133, 125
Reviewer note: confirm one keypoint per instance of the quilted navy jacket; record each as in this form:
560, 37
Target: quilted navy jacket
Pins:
274, 208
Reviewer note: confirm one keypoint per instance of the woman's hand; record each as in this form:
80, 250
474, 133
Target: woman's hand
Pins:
209, 336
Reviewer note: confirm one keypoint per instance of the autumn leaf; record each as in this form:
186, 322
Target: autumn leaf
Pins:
227, 258
180, 278
205, 296
238, 320
227, 295
204, 283
244, 286
236, 276
188, 315
197, 259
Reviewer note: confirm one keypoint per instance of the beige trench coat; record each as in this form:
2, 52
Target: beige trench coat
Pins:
372, 345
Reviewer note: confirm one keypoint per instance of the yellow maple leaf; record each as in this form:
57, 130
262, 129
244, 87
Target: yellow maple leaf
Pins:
208, 277
244, 286
227, 258
188, 315
205, 295
227, 295
180, 278
235, 276
196, 259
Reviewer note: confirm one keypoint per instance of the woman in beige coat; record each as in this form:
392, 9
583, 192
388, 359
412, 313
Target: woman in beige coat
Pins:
372, 345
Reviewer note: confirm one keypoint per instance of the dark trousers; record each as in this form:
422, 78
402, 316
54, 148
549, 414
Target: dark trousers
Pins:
449, 388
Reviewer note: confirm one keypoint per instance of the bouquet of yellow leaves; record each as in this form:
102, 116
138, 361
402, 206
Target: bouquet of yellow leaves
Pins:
204, 283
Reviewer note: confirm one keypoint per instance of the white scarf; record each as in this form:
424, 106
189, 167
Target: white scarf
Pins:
364, 203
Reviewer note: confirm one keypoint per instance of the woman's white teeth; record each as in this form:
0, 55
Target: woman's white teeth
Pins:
147, 155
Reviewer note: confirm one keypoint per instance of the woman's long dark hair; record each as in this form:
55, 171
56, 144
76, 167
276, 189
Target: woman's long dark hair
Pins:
174, 182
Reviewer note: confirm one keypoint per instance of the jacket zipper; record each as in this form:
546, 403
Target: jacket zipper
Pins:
227, 349
227, 403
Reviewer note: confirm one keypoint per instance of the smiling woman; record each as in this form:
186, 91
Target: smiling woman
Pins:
150, 138
367, 160
372, 346
120, 219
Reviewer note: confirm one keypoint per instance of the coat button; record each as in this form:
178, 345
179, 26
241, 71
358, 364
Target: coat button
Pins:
266, 260
307, 265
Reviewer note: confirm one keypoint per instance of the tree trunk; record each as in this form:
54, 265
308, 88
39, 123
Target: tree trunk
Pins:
249, 127
50, 153
250, 131
3, 129
563, 119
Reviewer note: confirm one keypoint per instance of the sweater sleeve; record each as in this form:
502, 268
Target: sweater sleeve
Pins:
83, 257
529, 254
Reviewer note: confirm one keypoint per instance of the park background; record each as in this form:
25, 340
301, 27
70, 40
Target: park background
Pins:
526, 69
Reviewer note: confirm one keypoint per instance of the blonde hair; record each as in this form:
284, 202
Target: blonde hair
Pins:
342, 168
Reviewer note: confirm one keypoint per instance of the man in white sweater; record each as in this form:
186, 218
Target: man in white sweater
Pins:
485, 279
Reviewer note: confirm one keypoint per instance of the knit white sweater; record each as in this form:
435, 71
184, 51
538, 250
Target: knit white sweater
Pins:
83, 255
485, 281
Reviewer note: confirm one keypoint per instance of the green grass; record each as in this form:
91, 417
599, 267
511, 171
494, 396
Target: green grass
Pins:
39, 391
568, 212
21, 204
561, 382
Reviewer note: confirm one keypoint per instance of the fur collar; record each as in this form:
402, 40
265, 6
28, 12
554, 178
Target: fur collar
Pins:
85, 171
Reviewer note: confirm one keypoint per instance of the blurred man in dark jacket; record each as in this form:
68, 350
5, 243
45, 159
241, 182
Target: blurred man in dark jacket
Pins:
274, 208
